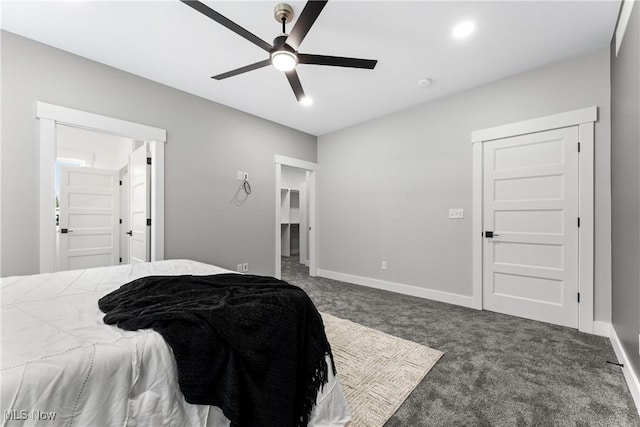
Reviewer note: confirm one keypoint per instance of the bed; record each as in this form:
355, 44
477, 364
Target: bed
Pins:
61, 365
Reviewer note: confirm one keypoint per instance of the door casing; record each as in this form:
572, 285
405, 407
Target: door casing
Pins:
312, 170
49, 116
585, 120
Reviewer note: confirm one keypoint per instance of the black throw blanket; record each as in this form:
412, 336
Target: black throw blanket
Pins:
254, 346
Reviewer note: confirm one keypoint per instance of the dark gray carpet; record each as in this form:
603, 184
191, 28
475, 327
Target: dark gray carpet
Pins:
497, 370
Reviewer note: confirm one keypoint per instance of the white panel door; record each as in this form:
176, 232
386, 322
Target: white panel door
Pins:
140, 206
124, 216
89, 208
530, 265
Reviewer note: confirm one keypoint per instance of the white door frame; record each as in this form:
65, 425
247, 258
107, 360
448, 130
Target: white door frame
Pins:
51, 115
584, 119
312, 168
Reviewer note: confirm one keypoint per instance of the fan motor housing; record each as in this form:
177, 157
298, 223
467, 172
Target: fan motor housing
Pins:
279, 43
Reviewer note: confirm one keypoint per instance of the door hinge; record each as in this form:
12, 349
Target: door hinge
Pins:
120, 182
120, 220
578, 221
578, 297
578, 147
148, 222
120, 259
148, 160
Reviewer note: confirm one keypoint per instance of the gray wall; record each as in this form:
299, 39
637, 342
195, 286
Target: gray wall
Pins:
385, 186
625, 181
207, 144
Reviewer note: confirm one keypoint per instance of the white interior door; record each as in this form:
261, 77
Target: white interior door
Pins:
124, 216
530, 265
139, 206
89, 212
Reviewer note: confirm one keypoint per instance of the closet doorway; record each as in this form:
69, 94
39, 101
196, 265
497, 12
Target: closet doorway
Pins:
295, 216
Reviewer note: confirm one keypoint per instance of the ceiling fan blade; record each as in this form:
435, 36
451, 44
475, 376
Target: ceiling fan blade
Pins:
337, 61
226, 22
294, 81
306, 19
244, 69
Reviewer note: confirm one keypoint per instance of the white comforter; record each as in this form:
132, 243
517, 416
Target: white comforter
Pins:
61, 365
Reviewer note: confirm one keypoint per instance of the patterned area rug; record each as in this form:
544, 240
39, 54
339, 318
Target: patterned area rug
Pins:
377, 371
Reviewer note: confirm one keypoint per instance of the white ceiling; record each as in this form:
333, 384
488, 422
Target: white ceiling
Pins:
169, 42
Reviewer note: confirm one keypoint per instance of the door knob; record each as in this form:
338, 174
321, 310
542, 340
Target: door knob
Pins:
130, 233
490, 234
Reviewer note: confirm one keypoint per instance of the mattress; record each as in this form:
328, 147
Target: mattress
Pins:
61, 365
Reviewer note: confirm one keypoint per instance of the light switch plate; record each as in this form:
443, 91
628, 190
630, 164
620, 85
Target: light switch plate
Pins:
456, 213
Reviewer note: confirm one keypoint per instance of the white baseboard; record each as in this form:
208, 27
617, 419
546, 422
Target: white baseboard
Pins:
629, 375
463, 300
602, 329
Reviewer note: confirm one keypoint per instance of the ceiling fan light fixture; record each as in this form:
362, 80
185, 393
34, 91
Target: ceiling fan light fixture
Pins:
284, 60
283, 53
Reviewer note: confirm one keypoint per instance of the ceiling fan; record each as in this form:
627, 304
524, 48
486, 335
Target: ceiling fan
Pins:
283, 54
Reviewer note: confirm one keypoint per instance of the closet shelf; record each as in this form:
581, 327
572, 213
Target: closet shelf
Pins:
290, 220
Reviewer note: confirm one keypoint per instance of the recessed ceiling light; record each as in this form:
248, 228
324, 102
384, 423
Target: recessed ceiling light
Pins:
306, 101
463, 29
424, 82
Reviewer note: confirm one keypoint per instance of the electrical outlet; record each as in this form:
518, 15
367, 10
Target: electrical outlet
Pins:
239, 268
456, 213
383, 265
245, 267
240, 175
